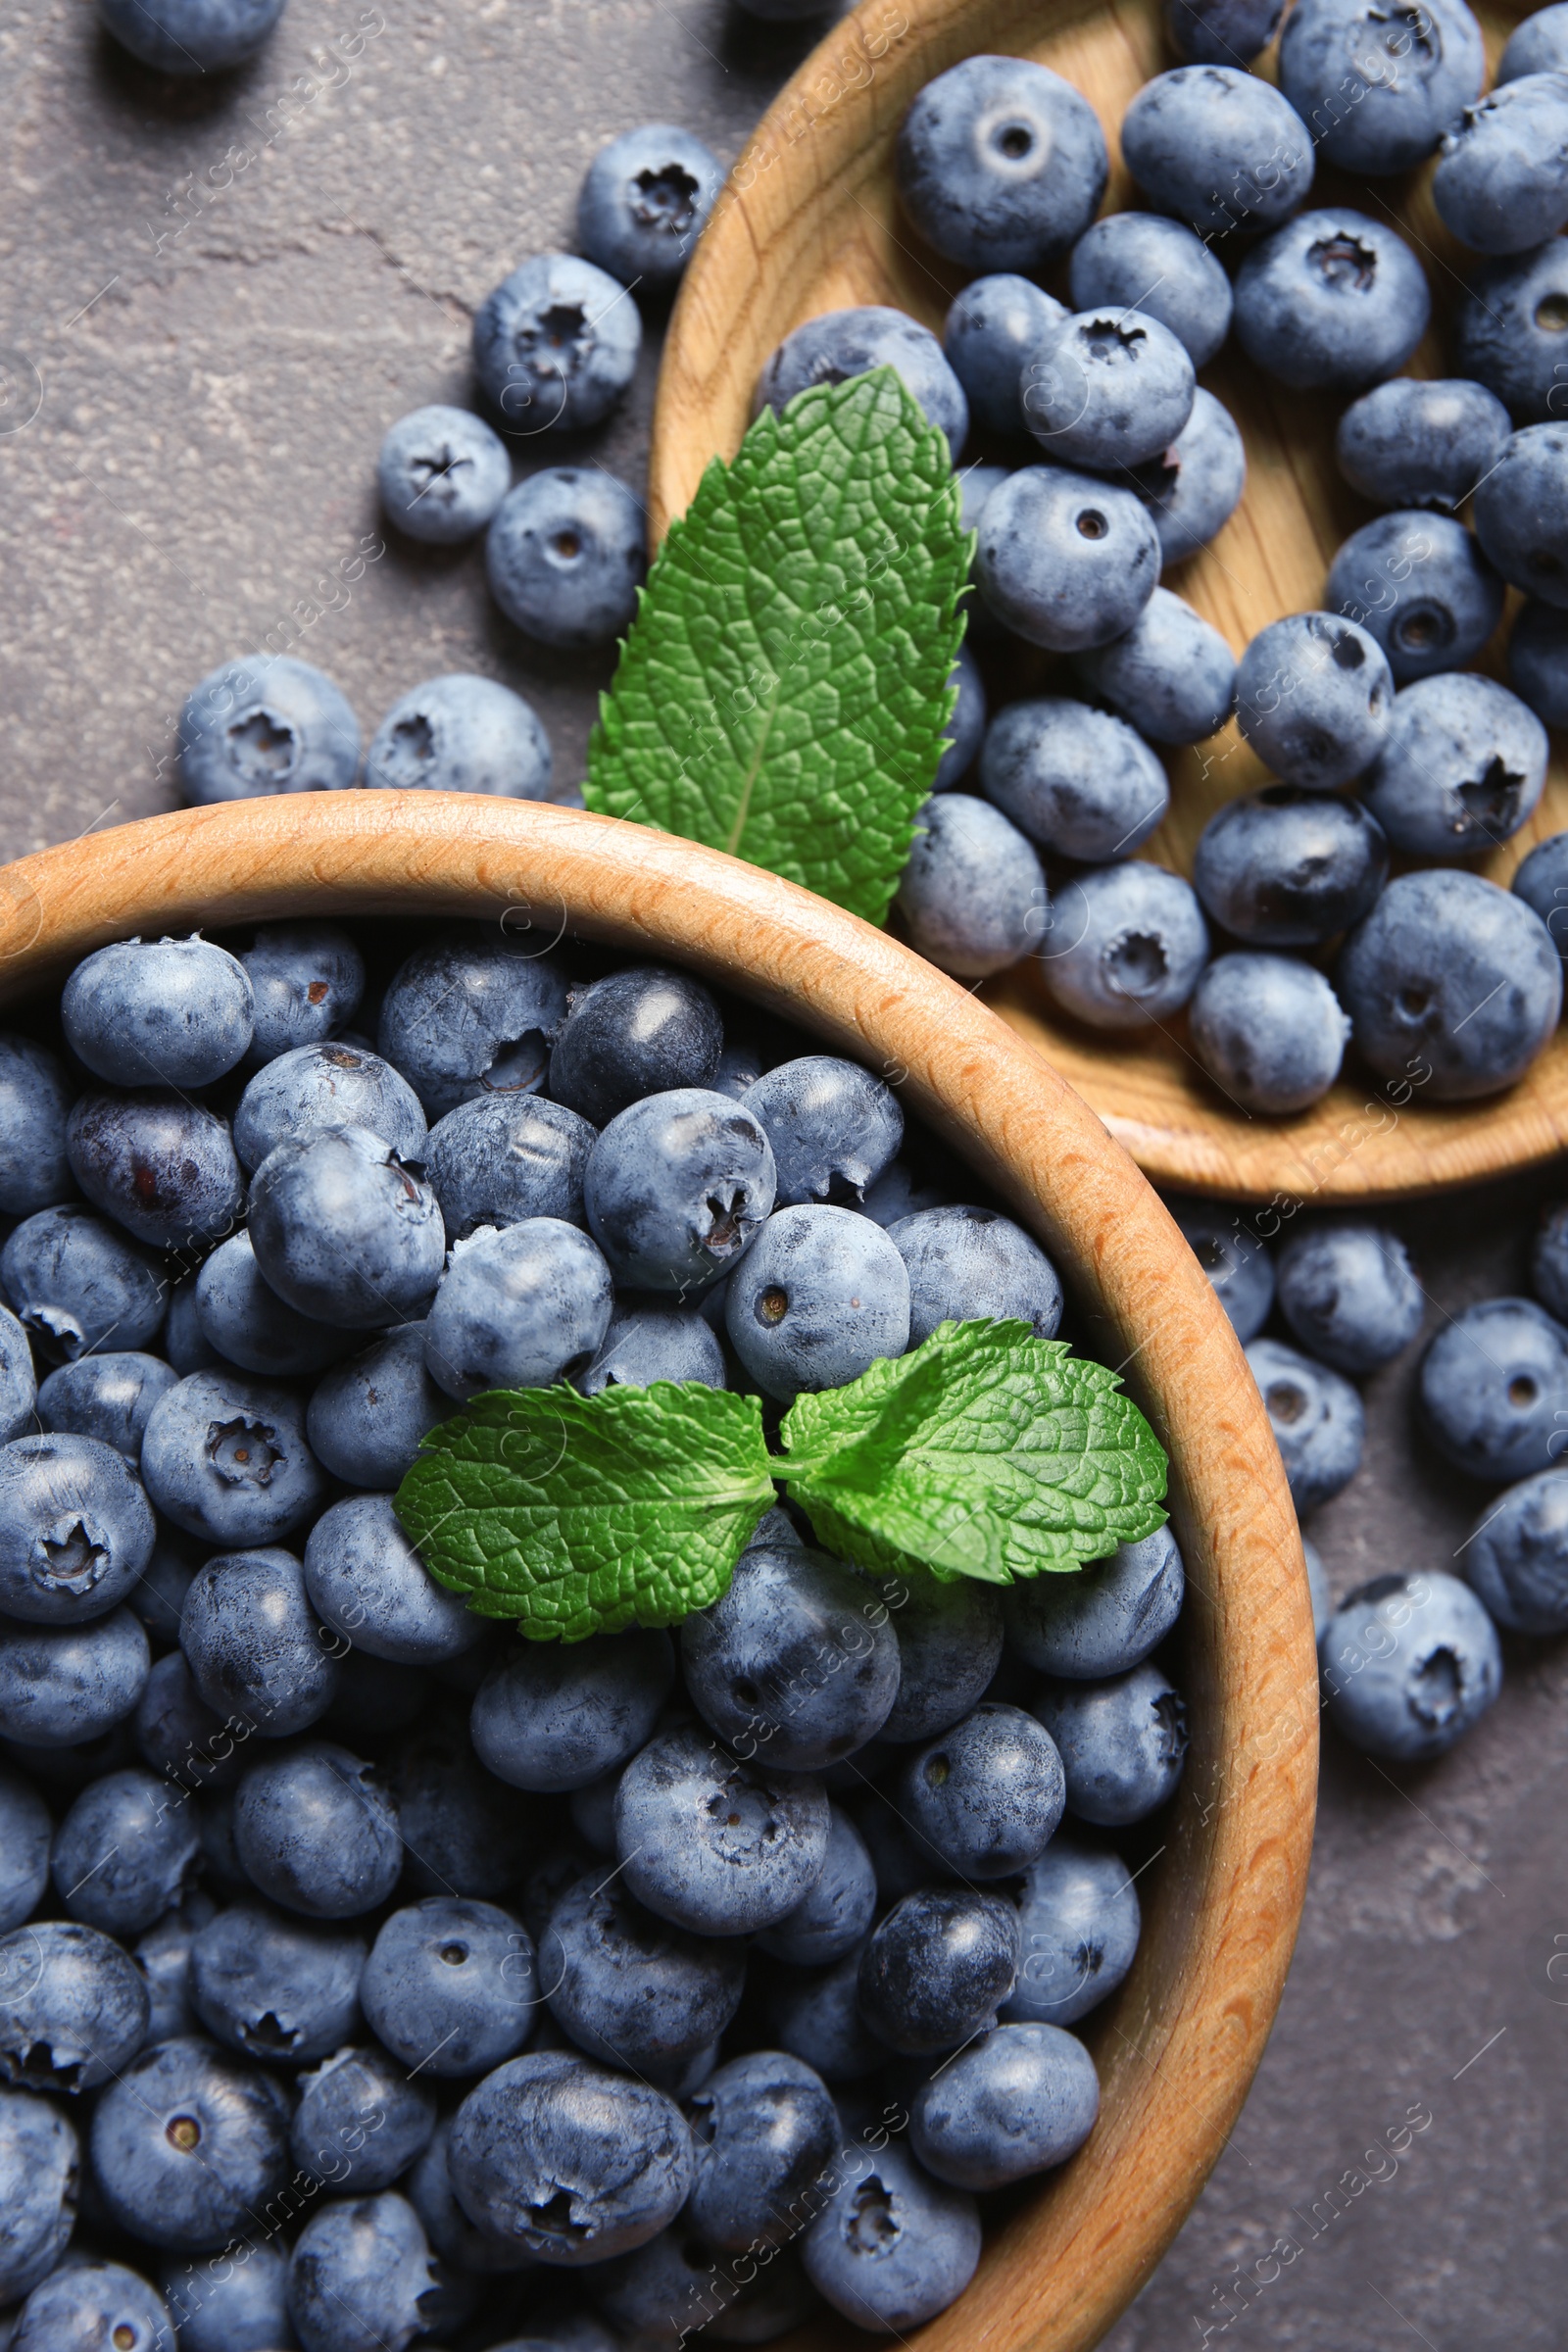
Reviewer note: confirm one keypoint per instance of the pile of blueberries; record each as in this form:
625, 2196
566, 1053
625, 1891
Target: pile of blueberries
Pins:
1412, 1660
368, 1973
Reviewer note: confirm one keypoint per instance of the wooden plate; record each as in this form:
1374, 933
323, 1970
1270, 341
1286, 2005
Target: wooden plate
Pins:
810, 223
1177, 2046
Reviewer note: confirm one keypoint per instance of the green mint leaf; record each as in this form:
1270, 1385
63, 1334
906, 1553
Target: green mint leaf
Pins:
580, 1515
987, 1453
783, 691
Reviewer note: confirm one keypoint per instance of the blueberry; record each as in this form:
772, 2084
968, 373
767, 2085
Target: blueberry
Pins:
994, 330
187, 2144
108, 1398
1218, 148
162, 1955
966, 728
1410, 1663
69, 1765
965, 1263
255, 727
76, 1284
518, 1309
178, 1737
184, 1344
360, 2277
1493, 1381
903, 1860
1507, 333
1000, 163
820, 1296
367, 1582
175, 1013
1315, 698
461, 734
472, 1015
456, 2239
75, 1530
1101, 1620
839, 345
442, 473
1450, 982
714, 1845
833, 1916
123, 1852
1127, 946
644, 1030
367, 1419
816, 2015
765, 1665
1172, 676
253, 1643
1377, 87
326, 1084
450, 1986
1521, 510
899, 1192
360, 2121
558, 1717
25, 1830
832, 1126
1501, 182
762, 2129
1420, 585
1516, 1556
1140, 261
307, 980
39, 2165
63, 1683
1079, 1927
87, 2304
189, 37
950, 1644
1193, 487
973, 893
1217, 32
1537, 44
462, 1833
1287, 869
892, 2247
567, 556
315, 1830
1080, 782
226, 1459
1024, 2098
644, 1344
1538, 662
35, 1098
1333, 301
1235, 1261
556, 344
238, 2305
74, 2008
1316, 1417
1108, 388
248, 1324
629, 1988
988, 1794
938, 1967
661, 2295
1549, 1262
160, 1165
678, 1188
1269, 1031
344, 1230
1122, 1743
1408, 442
644, 203
1066, 560
280, 1988
505, 1158
1350, 1295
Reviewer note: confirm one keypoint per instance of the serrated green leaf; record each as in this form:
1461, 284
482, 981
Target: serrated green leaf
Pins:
580, 1515
783, 691
986, 1452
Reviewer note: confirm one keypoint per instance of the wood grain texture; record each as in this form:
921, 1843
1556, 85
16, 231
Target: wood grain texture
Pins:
1178, 2045
810, 222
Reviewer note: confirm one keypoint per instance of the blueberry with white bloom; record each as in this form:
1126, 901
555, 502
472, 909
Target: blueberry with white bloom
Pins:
1410, 1663
1507, 335
1221, 32
75, 1529
461, 734
457, 2240
122, 1853
966, 725
1349, 1294
72, 2007
1103, 1620
1521, 512
61, 1684
1171, 677
821, 1296
307, 980
35, 1098
1127, 945
1376, 89
360, 2277
1501, 182
225, 1456
26, 1832
330, 1084
505, 1158
833, 1128
1413, 443
1537, 44
471, 1014
1494, 1382
842, 344
367, 1582
1066, 560
1314, 697
565, 557
1334, 301
442, 473
677, 1188
253, 727
518, 1309
344, 1230
988, 1792
644, 1344
315, 1830
158, 1164
40, 2170
1079, 782
254, 1643
230, 2307
450, 1986
278, 1988
950, 1645
965, 1263
1218, 147
90, 2303
78, 1284
190, 37
797, 1664
361, 2121
184, 1344
558, 1716
1022, 2099
644, 202
1269, 1031
248, 1324
368, 1417
1122, 1743
1108, 388
631, 1988
1142, 262
721, 1847
462, 1833
1193, 487
556, 344
162, 1955
938, 1967
762, 2128
834, 1913
1000, 163
1515, 1559
1538, 661
1235, 1261
892, 2247
994, 330
1450, 983
109, 1397
973, 893
188, 2143
1316, 1417
1420, 585
165, 1012
1079, 1924
1287, 869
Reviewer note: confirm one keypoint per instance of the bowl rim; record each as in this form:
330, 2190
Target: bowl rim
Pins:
1178, 2044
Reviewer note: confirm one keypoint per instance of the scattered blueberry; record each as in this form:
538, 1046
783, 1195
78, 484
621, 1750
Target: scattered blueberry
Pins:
1067, 561
1079, 1927
121, 1856
1193, 487
1217, 32
1537, 44
278, 1988
1411, 443
1127, 945
1269, 1031
892, 2247
1333, 301
256, 727
159, 1164
187, 2144
1103, 1620
470, 1015
1521, 512
1315, 698
175, 1013
973, 893
553, 1716
1217, 147
1289, 868
1108, 388
1419, 584
1350, 1295
74, 2010
1172, 676
1516, 1558
644, 203
108, 1398
556, 344
994, 330
938, 1967
61, 1684
1409, 1664
1492, 1382
821, 1296
223, 1455
1079, 782
1379, 87
1316, 1417
254, 1644
518, 1309
442, 473
1501, 182
796, 1665
1142, 262
1507, 333
461, 734
565, 557
1022, 2099
1235, 1261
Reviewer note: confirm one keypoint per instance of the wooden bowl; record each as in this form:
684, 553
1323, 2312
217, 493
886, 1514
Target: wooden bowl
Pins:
1177, 2046
810, 223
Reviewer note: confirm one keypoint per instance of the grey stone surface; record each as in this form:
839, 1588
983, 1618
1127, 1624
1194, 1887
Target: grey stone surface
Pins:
215, 350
